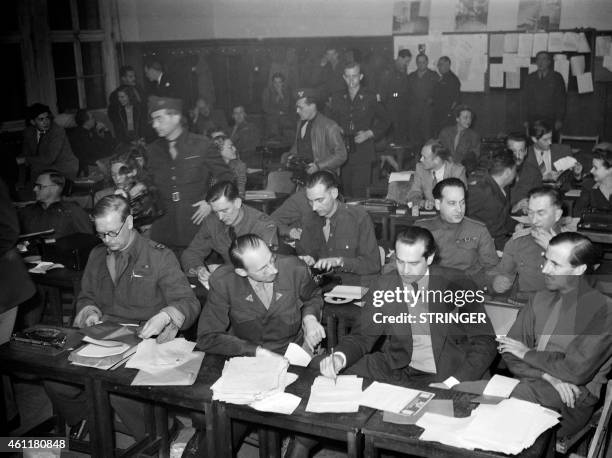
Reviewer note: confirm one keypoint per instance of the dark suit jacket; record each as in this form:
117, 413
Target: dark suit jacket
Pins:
117, 115
557, 151
527, 178
422, 184
54, 152
464, 351
487, 203
467, 151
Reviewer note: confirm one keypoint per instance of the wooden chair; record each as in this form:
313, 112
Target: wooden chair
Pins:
579, 141
280, 181
600, 421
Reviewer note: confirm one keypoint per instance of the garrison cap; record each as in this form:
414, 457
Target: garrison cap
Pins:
161, 103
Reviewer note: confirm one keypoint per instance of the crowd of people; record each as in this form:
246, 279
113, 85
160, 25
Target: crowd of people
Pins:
175, 212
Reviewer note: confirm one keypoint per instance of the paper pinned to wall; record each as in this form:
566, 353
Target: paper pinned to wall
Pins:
496, 75
523, 61
496, 45
533, 68
525, 44
513, 80
540, 43
607, 62
562, 66
511, 41
577, 64
555, 42
509, 63
585, 83
570, 41
603, 46
582, 43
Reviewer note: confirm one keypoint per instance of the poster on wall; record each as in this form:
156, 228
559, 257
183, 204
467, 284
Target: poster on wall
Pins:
471, 15
534, 15
411, 17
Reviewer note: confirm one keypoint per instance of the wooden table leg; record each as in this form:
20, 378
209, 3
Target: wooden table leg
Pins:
353, 448
264, 451
101, 419
161, 428
222, 433
370, 448
274, 443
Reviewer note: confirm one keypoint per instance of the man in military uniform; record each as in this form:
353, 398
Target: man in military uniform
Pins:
463, 243
341, 237
394, 92
128, 279
182, 164
446, 96
228, 220
422, 83
524, 253
292, 215
363, 121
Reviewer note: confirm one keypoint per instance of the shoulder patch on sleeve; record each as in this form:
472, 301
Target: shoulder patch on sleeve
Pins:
159, 246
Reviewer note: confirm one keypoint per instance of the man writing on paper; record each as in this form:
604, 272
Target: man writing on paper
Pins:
426, 350
128, 279
260, 304
560, 345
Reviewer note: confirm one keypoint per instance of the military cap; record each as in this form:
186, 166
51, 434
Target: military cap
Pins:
167, 103
306, 92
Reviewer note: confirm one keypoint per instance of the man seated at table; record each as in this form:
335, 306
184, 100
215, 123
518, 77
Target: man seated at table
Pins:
489, 198
421, 351
229, 219
523, 254
528, 176
435, 165
463, 243
292, 215
128, 279
560, 345
341, 237
52, 212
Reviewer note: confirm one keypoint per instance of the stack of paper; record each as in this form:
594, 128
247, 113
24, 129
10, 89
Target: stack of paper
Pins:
396, 399
247, 379
508, 427
348, 292
404, 175
259, 194
340, 395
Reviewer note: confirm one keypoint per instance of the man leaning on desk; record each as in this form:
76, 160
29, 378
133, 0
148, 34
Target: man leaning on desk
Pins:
128, 279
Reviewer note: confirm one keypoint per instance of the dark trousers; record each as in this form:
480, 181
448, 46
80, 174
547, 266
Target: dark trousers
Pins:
356, 171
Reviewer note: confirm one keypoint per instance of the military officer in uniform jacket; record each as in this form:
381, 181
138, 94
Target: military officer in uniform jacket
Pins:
394, 94
260, 304
181, 165
463, 243
229, 219
363, 121
341, 237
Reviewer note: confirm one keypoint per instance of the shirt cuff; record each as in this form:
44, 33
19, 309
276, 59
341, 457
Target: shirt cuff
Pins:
343, 357
79, 320
451, 382
175, 316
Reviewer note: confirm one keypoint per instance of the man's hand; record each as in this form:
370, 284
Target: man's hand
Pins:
428, 205
155, 325
508, 345
312, 168
92, 319
296, 234
203, 272
521, 206
551, 176
331, 366
313, 331
541, 237
328, 263
309, 260
567, 391
201, 213
501, 284
363, 135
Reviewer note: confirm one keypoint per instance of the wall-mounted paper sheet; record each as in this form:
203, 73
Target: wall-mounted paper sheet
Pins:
577, 65
525, 44
496, 75
585, 83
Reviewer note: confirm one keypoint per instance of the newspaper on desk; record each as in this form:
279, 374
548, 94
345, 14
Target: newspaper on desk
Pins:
508, 427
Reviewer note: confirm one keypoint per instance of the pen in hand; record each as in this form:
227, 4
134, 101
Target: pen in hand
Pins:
334, 366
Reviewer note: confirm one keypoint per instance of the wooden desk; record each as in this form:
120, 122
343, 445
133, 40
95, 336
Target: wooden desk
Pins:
380, 435
604, 238
51, 285
343, 427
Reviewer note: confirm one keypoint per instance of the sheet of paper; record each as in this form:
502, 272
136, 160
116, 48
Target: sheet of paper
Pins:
577, 64
341, 395
511, 42
570, 41
500, 386
392, 398
184, 374
563, 67
496, 45
555, 42
513, 80
297, 355
439, 406
603, 46
509, 62
496, 75
404, 175
607, 62
565, 163
585, 83
582, 43
525, 44
347, 291
153, 357
98, 351
523, 61
540, 43
573, 193
532, 68
284, 403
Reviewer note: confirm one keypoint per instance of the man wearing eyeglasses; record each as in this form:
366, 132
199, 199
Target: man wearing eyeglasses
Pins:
50, 211
260, 304
128, 279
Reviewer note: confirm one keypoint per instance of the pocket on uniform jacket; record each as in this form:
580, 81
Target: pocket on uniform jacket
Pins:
469, 243
344, 244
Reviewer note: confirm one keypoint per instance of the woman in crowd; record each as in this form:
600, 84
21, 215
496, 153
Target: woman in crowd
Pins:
461, 140
597, 199
127, 116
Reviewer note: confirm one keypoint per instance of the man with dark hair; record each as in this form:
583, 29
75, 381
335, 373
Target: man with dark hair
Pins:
229, 219
463, 243
161, 85
260, 304
127, 75
246, 136
276, 103
523, 254
204, 117
292, 216
363, 121
415, 350
544, 94
318, 139
560, 346
90, 140
50, 211
528, 176
45, 145
435, 165
489, 198
341, 237
422, 83
327, 76
446, 95
394, 94
127, 279
181, 164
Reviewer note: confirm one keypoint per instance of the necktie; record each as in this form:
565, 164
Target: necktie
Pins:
435, 180
326, 229
172, 149
40, 137
110, 264
303, 129
457, 140
542, 164
116, 263
549, 326
231, 231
